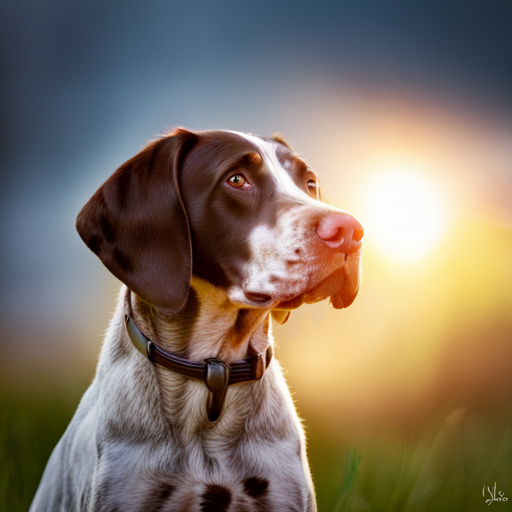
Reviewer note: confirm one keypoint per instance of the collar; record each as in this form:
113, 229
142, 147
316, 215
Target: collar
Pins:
217, 374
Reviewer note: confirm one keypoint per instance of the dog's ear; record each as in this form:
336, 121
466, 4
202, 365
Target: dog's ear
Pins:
137, 225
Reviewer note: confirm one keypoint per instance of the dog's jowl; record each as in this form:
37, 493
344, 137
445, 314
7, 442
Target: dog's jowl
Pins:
211, 233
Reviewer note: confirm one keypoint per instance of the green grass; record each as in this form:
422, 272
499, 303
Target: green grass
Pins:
442, 466
29, 430
353, 463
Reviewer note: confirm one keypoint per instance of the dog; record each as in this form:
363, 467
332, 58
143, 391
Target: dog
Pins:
211, 233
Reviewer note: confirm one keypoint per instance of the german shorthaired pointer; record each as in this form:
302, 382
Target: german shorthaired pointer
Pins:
210, 232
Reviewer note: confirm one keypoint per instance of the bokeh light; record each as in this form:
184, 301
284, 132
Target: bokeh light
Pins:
404, 213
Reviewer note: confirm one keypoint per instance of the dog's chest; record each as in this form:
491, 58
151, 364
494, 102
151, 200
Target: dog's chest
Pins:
226, 476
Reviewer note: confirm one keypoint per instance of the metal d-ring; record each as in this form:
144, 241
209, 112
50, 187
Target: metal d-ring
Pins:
217, 378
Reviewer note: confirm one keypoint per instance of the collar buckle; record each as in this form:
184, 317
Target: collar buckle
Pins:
217, 374
217, 379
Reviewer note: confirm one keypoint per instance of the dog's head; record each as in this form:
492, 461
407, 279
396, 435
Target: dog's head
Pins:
240, 211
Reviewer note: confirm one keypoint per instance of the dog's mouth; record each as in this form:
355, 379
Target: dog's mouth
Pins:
341, 286
328, 287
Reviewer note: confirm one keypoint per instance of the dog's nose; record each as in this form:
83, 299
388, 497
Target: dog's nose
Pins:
340, 231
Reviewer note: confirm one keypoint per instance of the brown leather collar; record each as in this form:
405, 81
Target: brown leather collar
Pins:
217, 374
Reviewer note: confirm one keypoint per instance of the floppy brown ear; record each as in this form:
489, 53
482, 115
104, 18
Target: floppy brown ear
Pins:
137, 225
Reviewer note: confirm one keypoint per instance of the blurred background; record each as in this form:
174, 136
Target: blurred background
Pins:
405, 111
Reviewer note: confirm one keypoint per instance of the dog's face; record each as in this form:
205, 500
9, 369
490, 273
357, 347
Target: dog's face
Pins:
240, 211
253, 212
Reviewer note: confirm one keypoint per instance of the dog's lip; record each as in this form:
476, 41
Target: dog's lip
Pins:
326, 287
258, 298
252, 299
311, 294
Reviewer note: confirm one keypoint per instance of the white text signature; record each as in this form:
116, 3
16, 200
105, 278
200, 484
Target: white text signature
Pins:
492, 494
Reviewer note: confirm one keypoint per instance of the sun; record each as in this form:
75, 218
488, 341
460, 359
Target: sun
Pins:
405, 214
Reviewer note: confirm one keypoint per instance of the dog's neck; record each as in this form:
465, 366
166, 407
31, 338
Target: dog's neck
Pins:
209, 325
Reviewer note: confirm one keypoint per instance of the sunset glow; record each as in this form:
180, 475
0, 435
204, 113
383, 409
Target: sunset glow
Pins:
405, 214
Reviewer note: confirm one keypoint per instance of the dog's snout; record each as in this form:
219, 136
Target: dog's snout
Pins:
340, 231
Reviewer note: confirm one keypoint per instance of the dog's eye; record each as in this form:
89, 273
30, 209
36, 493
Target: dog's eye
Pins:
312, 186
237, 181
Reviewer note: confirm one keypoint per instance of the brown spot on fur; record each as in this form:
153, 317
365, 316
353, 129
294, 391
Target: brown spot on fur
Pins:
253, 159
255, 486
215, 499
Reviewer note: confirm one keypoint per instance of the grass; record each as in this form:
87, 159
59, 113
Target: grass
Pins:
343, 500
442, 466
29, 430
